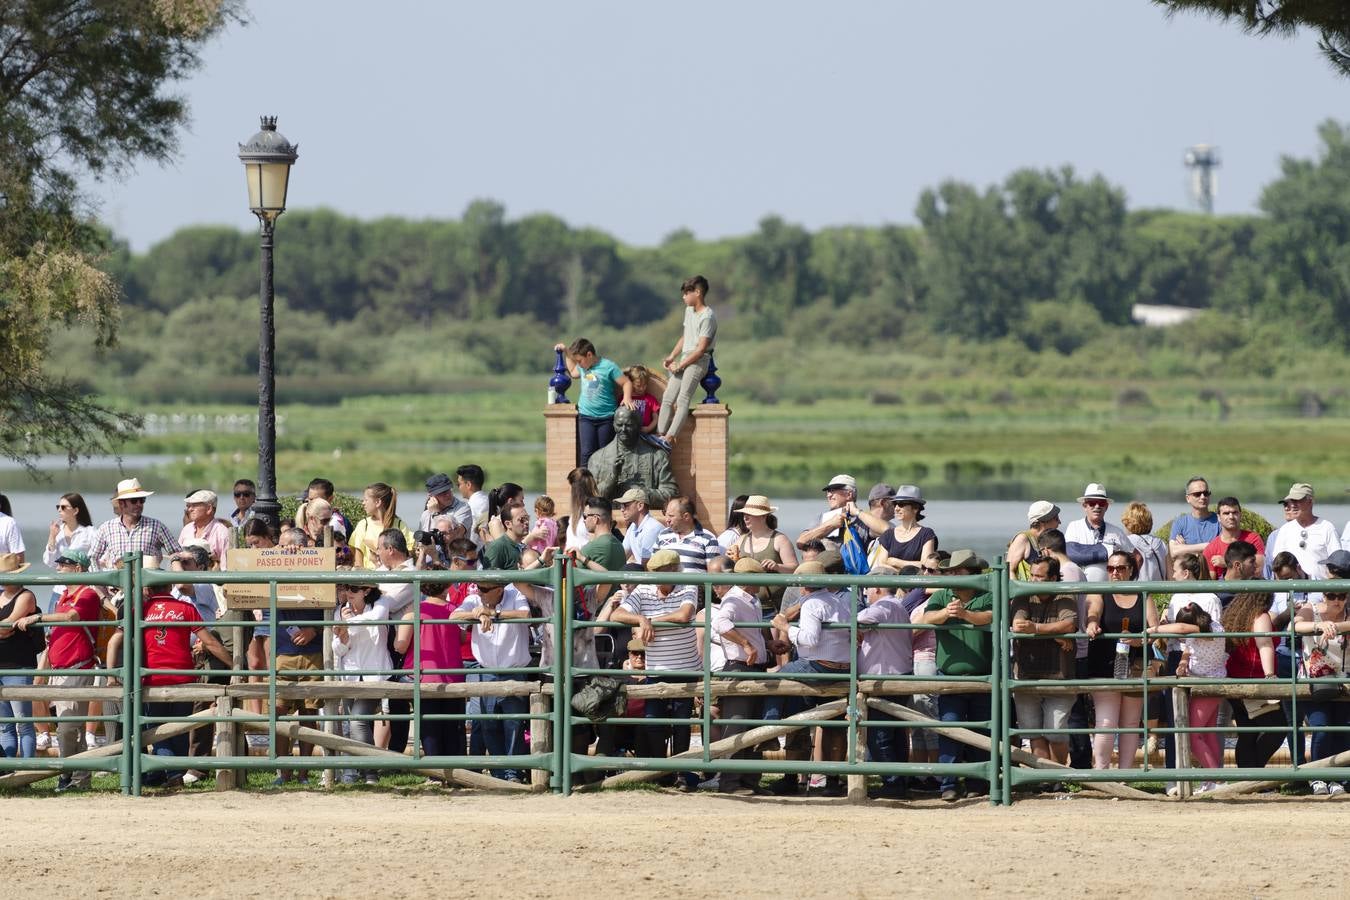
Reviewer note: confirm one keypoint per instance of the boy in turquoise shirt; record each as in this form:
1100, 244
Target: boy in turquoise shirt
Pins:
598, 401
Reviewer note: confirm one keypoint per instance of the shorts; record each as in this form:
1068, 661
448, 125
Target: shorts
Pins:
1047, 711
298, 662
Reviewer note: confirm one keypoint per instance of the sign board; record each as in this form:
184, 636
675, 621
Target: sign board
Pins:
281, 560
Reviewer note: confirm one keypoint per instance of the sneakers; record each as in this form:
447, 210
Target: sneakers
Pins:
787, 786
950, 795
1320, 788
816, 783
1335, 788
192, 777
44, 741
1206, 786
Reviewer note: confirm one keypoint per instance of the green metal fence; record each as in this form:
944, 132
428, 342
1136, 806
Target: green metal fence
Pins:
563, 762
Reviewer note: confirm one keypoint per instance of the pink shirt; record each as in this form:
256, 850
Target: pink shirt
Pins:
216, 535
439, 645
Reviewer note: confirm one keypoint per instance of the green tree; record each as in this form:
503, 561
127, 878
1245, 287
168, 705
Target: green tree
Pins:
1329, 18
83, 92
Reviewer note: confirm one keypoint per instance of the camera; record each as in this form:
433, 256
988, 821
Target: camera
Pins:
430, 538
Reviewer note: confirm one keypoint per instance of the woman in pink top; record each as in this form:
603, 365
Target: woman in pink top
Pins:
439, 647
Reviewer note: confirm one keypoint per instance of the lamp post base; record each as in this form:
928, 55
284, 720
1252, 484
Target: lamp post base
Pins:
269, 510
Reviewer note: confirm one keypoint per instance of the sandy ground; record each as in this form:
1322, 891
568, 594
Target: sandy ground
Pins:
640, 844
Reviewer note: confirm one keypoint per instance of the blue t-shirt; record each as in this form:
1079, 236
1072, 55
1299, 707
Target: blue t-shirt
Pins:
598, 399
1195, 531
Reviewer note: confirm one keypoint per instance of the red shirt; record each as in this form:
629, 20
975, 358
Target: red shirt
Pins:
168, 648
1217, 548
72, 646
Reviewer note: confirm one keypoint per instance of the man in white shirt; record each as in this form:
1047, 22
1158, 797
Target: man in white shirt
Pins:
392, 549
498, 643
1091, 540
470, 480
886, 651
841, 496
1306, 535
639, 539
671, 649
742, 651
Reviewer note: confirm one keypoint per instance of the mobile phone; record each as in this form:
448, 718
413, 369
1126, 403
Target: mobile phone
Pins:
293, 631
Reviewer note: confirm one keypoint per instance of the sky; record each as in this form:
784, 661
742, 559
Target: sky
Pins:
643, 118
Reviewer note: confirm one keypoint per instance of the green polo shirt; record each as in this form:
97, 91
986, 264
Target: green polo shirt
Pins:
965, 649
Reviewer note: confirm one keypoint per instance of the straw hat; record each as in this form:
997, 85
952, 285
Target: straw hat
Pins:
130, 489
757, 505
10, 565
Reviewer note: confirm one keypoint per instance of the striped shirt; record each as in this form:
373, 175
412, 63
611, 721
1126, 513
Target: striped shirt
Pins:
113, 540
695, 548
671, 648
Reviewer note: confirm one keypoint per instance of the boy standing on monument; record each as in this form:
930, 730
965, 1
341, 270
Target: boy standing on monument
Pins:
688, 362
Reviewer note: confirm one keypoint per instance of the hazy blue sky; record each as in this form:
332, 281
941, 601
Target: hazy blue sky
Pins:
640, 118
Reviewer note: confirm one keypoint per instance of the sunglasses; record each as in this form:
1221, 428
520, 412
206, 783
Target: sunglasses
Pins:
1333, 596
1096, 504
1117, 568
243, 493
929, 571
140, 500
1303, 539
1288, 503
464, 559
1199, 494
64, 506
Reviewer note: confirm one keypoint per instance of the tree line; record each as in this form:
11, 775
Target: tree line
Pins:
1047, 258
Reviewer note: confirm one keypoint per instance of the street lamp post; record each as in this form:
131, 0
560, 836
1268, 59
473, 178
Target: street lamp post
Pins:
267, 159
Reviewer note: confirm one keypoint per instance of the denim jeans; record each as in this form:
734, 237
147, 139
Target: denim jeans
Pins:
173, 746
593, 432
473, 707
652, 738
504, 737
1325, 744
962, 708
17, 738
888, 745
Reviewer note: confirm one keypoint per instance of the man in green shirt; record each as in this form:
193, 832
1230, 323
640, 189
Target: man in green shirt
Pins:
505, 551
604, 552
964, 647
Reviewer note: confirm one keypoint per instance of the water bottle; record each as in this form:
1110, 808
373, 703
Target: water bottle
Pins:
1121, 668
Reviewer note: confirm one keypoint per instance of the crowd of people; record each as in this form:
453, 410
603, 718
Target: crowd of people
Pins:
470, 631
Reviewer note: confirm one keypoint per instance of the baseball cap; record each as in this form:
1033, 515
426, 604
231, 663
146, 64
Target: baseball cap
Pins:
1299, 491
74, 556
1040, 511
842, 481
632, 495
880, 491
202, 496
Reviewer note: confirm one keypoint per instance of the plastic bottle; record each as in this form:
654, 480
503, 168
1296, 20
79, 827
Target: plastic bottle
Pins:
1122, 662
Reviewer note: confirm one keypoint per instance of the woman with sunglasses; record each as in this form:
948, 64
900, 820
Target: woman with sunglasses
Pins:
72, 529
908, 543
1324, 626
1117, 613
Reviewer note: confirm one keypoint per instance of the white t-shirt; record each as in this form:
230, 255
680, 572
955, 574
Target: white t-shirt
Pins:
1208, 602
11, 539
1309, 545
507, 645
1079, 532
1209, 656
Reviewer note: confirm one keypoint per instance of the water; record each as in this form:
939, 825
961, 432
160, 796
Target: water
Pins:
985, 526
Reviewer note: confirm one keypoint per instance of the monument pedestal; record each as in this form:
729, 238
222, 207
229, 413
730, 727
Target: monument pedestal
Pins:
699, 460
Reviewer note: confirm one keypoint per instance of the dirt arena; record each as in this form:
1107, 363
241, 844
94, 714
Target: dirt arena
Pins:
644, 844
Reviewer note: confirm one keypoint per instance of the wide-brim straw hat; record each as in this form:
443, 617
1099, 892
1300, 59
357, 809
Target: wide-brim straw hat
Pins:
10, 565
757, 505
130, 489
